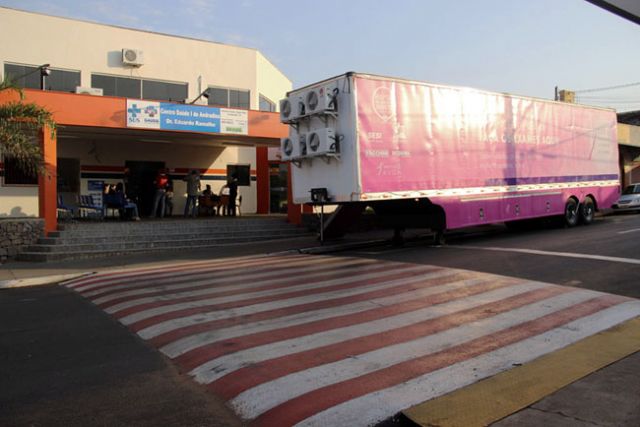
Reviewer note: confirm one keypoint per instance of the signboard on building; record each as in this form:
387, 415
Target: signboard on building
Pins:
193, 118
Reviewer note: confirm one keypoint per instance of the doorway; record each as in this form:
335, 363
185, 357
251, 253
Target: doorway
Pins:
68, 176
278, 173
139, 183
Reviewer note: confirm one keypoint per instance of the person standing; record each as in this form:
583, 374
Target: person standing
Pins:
193, 190
233, 194
160, 183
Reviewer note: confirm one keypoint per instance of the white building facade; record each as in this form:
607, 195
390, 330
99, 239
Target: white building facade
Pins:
120, 64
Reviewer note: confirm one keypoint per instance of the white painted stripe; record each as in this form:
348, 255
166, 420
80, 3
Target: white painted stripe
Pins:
169, 276
155, 269
135, 317
170, 325
188, 343
217, 368
248, 294
548, 253
507, 189
253, 279
377, 406
257, 400
294, 319
633, 230
507, 196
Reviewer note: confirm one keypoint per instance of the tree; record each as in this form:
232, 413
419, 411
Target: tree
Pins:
19, 123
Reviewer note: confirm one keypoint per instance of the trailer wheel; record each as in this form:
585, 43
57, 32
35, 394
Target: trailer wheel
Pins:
587, 211
571, 213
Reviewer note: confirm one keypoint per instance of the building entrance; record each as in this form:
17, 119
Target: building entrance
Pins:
139, 177
278, 187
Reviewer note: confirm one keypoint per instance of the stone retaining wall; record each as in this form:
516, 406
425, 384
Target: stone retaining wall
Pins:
17, 234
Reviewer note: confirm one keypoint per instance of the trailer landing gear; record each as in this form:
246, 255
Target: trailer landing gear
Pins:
398, 237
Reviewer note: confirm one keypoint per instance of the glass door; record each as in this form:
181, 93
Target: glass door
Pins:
278, 173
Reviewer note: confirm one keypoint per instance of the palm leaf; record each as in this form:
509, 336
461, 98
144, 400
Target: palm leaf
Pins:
19, 126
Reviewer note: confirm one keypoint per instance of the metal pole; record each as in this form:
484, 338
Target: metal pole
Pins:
321, 224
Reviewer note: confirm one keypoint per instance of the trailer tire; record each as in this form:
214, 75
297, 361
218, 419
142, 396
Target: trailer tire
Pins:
571, 213
587, 211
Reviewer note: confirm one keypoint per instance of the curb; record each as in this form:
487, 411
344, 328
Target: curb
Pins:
42, 280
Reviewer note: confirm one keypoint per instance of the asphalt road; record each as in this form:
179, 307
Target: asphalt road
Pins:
604, 256
65, 363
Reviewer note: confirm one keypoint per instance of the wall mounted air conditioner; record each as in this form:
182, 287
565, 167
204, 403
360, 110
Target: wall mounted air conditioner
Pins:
89, 90
132, 57
321, 99
303, 145
291, 109
287, 148
322, 142
293, 147
286, 110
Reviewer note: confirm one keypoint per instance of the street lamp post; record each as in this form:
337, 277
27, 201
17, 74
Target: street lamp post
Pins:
44, 73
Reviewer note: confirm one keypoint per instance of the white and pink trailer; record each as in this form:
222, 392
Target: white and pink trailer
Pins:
455, 156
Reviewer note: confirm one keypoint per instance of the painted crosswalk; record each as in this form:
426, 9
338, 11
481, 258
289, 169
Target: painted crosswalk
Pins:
324, 340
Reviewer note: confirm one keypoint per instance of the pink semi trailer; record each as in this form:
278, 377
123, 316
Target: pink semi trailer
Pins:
444, 157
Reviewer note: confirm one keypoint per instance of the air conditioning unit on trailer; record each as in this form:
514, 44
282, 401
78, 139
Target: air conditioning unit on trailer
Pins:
303, 145
321, 99
293, 147
287, 147
132, 57
89, 90
322, 142
291, 109
286, 110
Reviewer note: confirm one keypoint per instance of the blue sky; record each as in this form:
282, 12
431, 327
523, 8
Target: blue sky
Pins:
519, 46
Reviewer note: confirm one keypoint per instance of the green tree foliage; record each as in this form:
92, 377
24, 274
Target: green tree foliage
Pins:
19, 126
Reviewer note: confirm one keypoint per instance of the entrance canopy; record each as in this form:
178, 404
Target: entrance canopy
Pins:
87, 115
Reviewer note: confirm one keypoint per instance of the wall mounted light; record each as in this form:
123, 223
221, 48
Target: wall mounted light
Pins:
205, 94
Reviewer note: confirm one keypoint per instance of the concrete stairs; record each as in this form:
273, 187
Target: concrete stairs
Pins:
102, 239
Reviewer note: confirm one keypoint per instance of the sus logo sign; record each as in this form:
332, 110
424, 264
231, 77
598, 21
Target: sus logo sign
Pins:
382, 103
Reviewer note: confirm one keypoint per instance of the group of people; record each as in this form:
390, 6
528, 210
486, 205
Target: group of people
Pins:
208, 200
115, 197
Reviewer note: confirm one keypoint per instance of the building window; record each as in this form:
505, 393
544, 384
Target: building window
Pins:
127, 87
117, 86
28, 77
163, 91
242, 172
266, 104
235, 98
16, 174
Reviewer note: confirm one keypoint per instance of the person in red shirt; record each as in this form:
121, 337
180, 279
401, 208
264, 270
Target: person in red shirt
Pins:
160, 183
